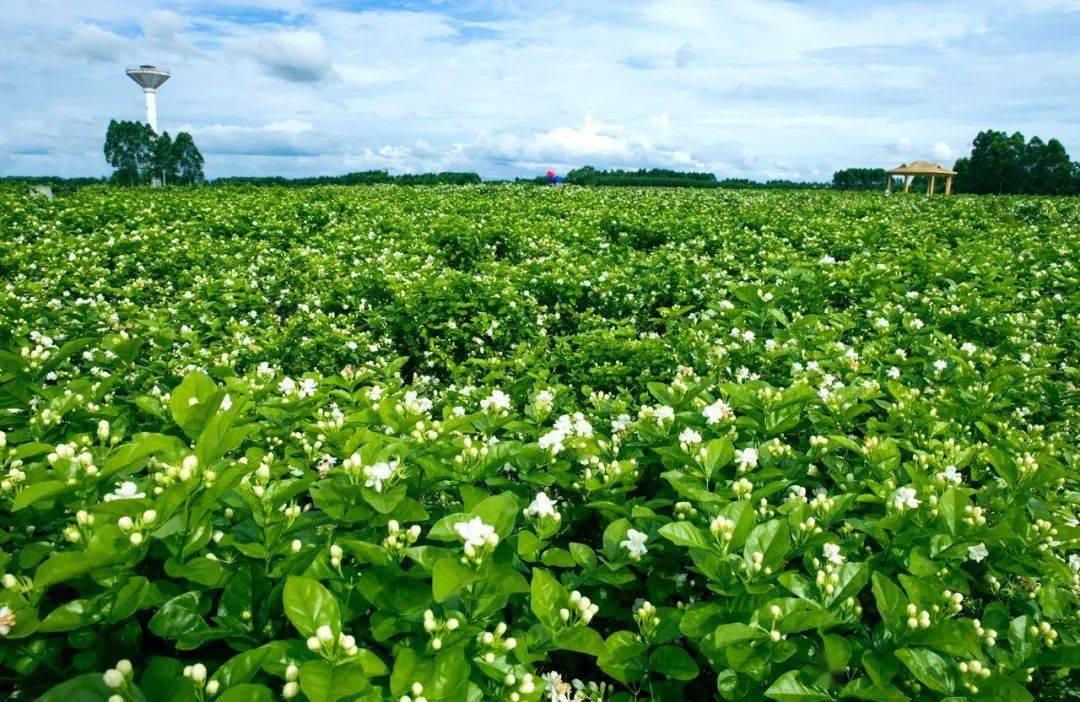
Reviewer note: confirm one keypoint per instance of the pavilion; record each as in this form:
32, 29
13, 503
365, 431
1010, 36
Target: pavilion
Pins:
921, 168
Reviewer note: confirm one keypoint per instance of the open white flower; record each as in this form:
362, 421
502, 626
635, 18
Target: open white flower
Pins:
127, 490
832, 553
377, 474
635, 544
746, 458
904, 498
717, 412
977, 552
950, 475
541, 506
497, 401
7, 620
474, 532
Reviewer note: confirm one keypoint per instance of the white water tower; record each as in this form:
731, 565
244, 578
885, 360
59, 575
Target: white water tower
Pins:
150, 78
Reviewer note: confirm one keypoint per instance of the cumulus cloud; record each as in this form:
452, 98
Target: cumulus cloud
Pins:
92, 42
299, 56
163, 24
594, 142
286, 138
943, 151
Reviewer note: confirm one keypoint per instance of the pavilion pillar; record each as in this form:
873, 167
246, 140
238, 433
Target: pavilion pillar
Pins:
930, 187
948, 185
907, 183
888, 183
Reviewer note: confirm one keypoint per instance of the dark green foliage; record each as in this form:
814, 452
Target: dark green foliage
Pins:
656, 177
1005, 164
860, 179
139, 155
356, 178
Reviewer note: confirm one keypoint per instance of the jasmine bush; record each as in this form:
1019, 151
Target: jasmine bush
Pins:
510, 443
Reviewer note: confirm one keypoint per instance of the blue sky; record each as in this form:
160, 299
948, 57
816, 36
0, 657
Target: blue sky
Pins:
742, 88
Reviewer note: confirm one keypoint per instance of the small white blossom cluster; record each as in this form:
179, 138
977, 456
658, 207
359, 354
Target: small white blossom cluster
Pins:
437, 629
480, 539
581, 609
136, 528
120, 678
398, 539
330, 647
494, 643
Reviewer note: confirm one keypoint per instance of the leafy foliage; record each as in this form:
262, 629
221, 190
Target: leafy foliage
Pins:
528, 443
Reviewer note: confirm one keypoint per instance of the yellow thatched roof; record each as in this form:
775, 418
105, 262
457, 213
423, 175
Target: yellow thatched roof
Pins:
921, 168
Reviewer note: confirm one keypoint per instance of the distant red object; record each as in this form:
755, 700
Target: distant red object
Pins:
550, 173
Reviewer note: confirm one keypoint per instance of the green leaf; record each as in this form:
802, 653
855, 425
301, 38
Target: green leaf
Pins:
450, 575
727, 634
499, 511
548, 597
84, 688
791, 687
929, 668
865, 689
837, 651
673, 662
242, 667
771, 539
326, 682
582, 639
247, 693
891, 602
194, 401
309, 605
625, 658
38, 491
685, 534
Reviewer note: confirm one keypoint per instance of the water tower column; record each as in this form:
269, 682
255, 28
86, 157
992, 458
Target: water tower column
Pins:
151, 107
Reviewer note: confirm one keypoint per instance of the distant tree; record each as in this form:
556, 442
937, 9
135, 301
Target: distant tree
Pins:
656, 177
1001, 164
129, 149
163, 159
138, 155
860, 179
187, 160
1047, 168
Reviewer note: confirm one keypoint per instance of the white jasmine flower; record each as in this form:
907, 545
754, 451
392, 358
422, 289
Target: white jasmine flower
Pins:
978, 552
746, 458
474, 531
7, 620
377, 474
904, 498
717, 412
541, 506
635, 544
127, 490
832, 553
950, 475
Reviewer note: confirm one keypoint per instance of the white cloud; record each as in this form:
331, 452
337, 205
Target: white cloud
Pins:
300, 56
92, 42
746, 88
163, 24
943, 151
287, 138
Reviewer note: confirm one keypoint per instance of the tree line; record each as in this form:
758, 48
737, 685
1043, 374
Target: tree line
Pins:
140, 156
999, 164
356, 178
